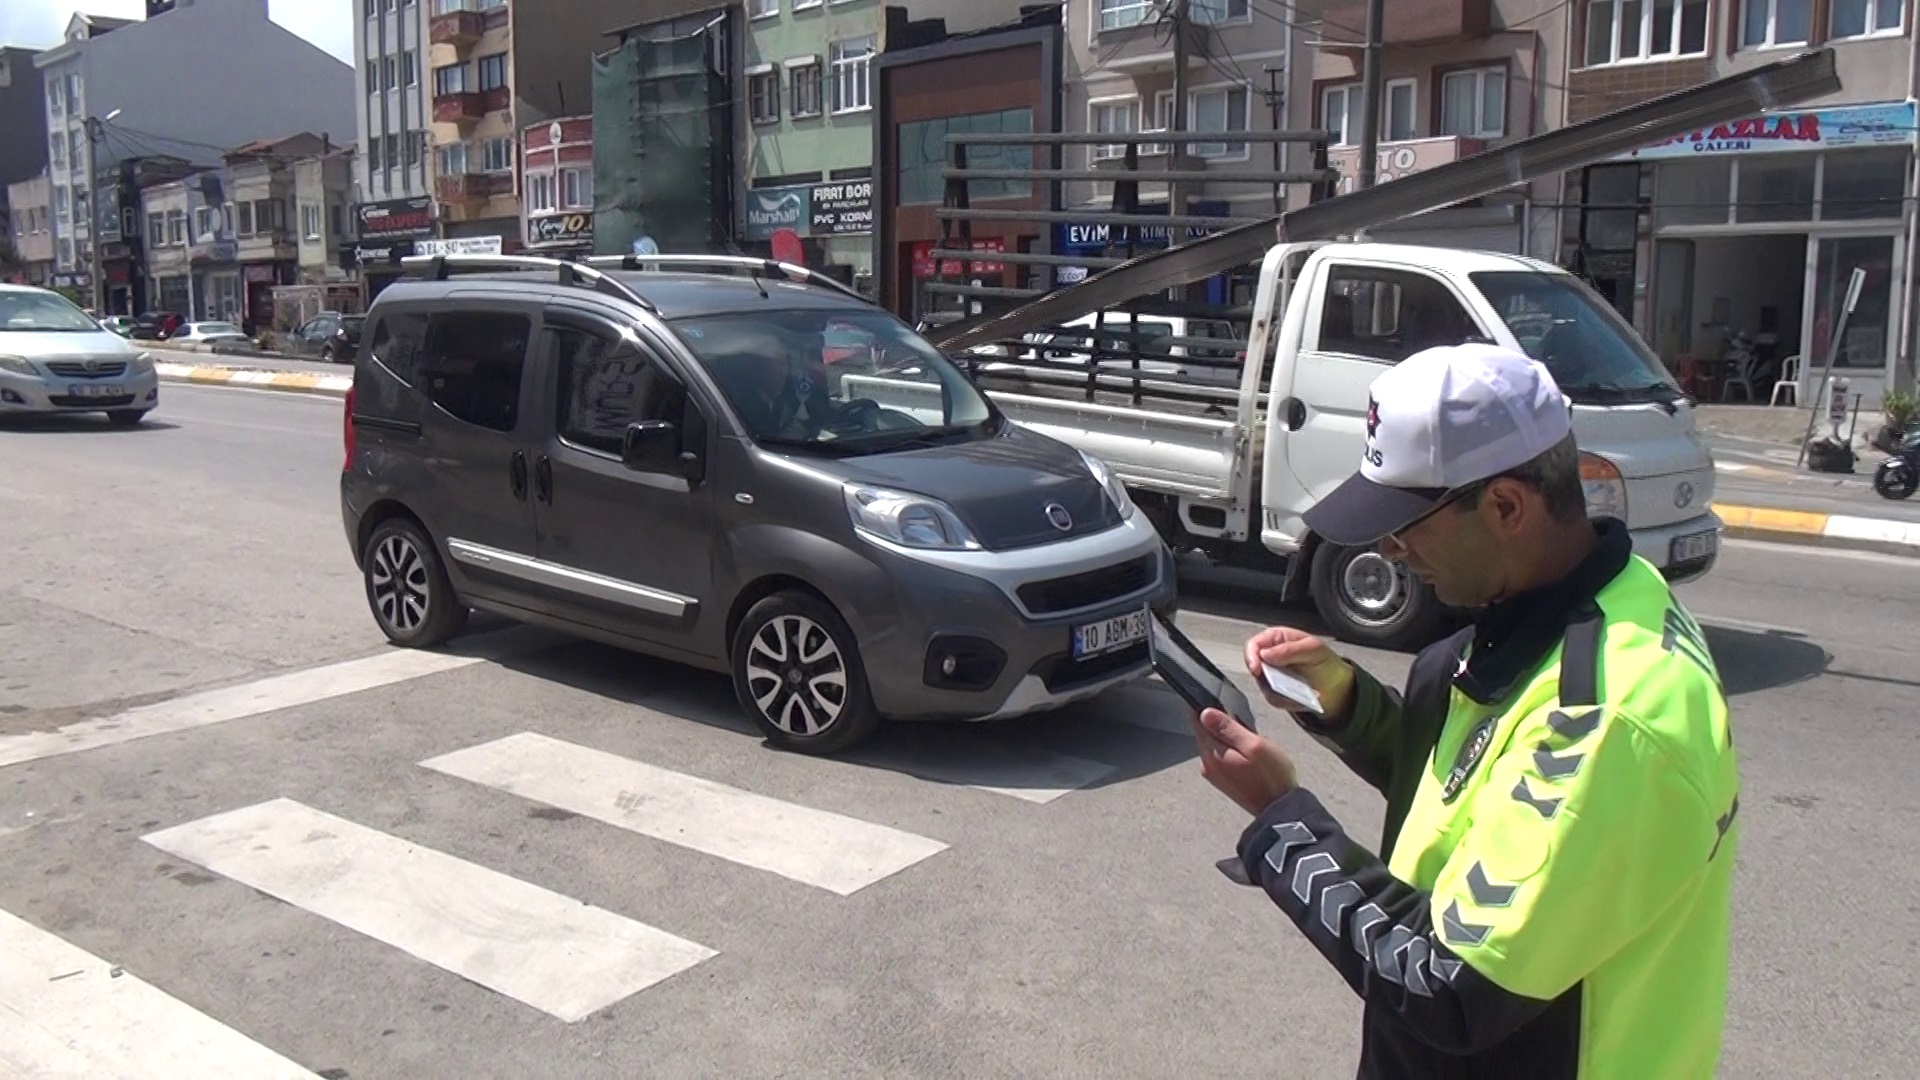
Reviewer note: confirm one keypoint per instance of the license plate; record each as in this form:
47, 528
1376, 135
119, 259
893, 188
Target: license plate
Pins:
1694, 546
1107, 635
94, 390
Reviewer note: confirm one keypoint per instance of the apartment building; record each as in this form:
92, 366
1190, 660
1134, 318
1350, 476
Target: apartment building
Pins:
1741, 238
233, 75
30, 230
23, 118
392, 115
323, 187
497, 67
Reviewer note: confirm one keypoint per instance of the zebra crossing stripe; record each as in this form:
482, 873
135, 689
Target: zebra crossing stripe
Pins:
549, 951
65, 1012
815, 847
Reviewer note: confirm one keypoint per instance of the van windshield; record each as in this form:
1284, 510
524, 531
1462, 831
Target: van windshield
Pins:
1593, 354
838, 382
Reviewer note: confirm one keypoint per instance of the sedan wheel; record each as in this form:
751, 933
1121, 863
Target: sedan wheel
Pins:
798, 675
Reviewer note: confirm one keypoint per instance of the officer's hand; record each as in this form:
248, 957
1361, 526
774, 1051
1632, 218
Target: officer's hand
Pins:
1247, 768
1309, 658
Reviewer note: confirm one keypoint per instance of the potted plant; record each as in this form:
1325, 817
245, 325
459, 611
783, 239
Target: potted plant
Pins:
1899, 408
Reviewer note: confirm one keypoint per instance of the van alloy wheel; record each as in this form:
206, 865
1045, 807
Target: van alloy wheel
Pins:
798, 674
412, 599
400, 586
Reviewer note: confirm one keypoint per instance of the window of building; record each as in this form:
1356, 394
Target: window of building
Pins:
802, 5
540, 193
62, 205
453, 159
373, 77
156, 230
1118, 116
1860, 185
243, 220
1776, 187
1474, 103
497, 154
57, 149
1213, 12
803, 89
389, 73
1858, 18
56, 101
576, 189
924, 156
472, 366
1766, 23
1221, 109
374, 161
451, 79
762, 9
269, 215
1120, 14
205, 225
493, 71
410, 68
337, 212
1337, 104
763, 95
852, 64
176, 228
1399, 111
605, 385
310, 221
416, 144
1402, 98
1627, 30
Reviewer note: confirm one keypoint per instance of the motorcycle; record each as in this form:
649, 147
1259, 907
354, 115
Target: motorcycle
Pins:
1898, 476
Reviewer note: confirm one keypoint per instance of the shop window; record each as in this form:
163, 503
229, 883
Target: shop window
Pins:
1624, 31
1611, 210
1863, 342
1775, 187
1859, 18
1474, 103
924, 155
763, 95
472, 366
1767, 23
1861, 185
1692, 192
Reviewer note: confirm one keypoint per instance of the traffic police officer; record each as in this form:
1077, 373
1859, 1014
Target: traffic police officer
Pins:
1551, 895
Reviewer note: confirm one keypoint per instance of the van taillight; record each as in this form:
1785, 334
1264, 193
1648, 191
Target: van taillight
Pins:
347, 431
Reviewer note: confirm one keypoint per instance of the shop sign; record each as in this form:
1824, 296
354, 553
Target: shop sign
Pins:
569, 228
1075, 238
923, 260
396, 219
376, 254
459, 245
842, 209
1818, 129
772, 209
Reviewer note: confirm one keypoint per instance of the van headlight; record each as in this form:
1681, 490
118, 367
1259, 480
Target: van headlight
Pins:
18, 365
1606, 488
909, 520
1116, 490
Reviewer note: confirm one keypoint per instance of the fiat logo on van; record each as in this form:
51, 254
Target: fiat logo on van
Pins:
1058, 515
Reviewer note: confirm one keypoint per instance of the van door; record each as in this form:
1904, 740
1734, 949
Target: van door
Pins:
634, 548
473, 371
1361, 319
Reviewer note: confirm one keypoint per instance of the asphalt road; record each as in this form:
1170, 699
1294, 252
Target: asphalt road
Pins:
1756, 473
1037, 898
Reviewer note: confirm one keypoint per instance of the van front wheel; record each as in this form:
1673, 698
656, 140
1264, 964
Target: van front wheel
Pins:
1368, 599
798, 675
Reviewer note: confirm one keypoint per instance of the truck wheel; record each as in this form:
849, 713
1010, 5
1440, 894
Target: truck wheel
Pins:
798, 675
1369, 599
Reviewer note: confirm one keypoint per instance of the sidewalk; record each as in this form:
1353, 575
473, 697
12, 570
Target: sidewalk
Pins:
217, 374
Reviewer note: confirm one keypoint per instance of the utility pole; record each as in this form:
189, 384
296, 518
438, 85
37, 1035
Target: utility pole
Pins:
1371, 104
95, 273
1177, 189
1273, 109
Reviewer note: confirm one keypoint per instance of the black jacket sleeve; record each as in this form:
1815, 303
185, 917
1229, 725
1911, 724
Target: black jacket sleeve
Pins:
1377, 931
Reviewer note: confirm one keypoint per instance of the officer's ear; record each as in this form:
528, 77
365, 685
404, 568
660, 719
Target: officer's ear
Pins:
1509, 506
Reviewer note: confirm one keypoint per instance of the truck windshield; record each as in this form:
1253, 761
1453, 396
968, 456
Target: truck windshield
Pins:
1593, 354
838, 382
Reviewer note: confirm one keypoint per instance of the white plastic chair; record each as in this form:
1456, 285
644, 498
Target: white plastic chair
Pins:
1789, 381
1742, 377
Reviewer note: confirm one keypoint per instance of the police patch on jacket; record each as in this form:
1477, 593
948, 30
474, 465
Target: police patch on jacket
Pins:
1468, 759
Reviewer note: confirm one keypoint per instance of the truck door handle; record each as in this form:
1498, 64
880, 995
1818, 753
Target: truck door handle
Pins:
1296, 413
543, 479
517, 474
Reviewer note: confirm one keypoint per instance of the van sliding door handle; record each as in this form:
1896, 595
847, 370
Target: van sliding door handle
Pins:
1295, 413
543, 479
517, 475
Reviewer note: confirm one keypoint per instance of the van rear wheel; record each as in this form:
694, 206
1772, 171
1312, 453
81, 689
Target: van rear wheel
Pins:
1368, 599
798, 675
412, 600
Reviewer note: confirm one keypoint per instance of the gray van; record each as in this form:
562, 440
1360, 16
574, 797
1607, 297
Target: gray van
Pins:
741, 465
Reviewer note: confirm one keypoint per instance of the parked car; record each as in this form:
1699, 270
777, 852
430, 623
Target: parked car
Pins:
156, 325
55, 359
664, 460
119, 324
331, 336
210, 333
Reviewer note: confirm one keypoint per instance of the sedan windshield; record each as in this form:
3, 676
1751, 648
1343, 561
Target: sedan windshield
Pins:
42, 312
837, 381
1594, 356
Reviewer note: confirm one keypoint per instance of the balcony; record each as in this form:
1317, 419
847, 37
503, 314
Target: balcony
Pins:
1423, 23
1403, 158
472, 187
457, 28
462, 107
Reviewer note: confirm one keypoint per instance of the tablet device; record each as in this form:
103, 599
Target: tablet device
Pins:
1191, 675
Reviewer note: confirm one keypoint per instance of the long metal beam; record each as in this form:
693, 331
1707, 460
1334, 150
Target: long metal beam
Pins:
1771, 86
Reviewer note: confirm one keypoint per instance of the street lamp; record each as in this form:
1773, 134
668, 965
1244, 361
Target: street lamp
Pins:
95, 274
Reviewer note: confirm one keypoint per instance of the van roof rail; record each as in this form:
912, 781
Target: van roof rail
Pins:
568, 271
756, 266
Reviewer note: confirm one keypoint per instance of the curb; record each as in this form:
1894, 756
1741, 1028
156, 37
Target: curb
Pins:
285, 381
1820, 530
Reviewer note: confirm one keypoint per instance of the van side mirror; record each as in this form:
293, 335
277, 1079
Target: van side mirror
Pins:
652, 446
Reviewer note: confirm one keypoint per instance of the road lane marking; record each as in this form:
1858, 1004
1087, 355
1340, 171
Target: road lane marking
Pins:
217, 706
814, 847
1798, 522
65, 1012
554, 953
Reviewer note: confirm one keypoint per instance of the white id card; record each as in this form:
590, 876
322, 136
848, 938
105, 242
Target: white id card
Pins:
1292, 688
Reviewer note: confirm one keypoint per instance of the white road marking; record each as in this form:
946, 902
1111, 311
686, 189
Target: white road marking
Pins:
814, 847
232, 703
998, 767
1728, 466
67, 1013
1880, 558
549, 951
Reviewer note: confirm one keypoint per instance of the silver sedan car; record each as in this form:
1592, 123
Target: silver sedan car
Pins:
54, 358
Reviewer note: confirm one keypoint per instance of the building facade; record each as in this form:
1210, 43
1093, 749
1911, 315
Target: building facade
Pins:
323, 188
193, 252
23, 117
30, 229
122, 239
556, 162
392, 116
247, 78
263, 211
